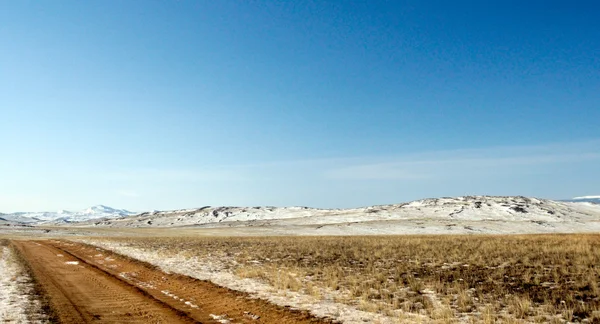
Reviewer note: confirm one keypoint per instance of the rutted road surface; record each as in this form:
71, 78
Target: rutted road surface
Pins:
87, 284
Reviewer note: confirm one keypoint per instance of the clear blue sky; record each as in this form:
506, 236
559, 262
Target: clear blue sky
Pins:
173, 104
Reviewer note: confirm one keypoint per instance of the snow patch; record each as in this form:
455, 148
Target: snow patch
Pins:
224, 319
217, 272
18, 302
586, 197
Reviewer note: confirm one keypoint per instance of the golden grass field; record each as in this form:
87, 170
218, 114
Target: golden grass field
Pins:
483, 279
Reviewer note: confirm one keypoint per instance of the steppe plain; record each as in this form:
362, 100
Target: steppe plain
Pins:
448, 260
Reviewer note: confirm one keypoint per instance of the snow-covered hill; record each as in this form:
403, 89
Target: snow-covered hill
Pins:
64, 216
458, 215
461, 214
589, 199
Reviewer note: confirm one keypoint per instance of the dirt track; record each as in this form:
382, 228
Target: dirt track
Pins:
87, 284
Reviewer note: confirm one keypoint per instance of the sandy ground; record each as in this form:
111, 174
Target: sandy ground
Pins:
87, 284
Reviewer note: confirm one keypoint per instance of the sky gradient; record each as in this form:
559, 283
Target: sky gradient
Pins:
160, 105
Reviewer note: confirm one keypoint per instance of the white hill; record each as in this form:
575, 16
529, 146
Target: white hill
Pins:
482, 214
459, 215
587, 197
590, 199
64, 216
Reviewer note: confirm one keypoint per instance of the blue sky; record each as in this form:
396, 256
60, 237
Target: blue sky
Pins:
161, 104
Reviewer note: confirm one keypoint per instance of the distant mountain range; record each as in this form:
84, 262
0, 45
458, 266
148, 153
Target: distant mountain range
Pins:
470, 208
65, 216
468, 214
589, 199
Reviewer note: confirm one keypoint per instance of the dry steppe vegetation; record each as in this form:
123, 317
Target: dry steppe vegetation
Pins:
483, 279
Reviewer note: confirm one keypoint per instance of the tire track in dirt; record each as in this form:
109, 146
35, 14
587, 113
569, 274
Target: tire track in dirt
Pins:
79, 293
89, 284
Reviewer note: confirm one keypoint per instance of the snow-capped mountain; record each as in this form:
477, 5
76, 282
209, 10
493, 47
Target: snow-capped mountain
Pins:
65, 216
588, 199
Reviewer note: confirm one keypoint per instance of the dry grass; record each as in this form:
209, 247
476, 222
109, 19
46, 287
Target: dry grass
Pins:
535, 278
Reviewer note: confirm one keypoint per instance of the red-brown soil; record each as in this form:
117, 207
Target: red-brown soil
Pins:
85, 284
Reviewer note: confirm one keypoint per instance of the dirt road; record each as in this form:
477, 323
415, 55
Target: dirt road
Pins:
87, 284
